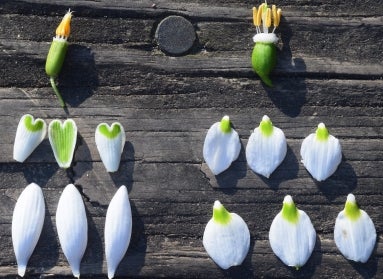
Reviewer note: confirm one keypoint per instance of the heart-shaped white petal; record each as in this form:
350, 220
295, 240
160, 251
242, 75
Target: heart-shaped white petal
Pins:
292, 235
27, 223
110, 143
221, 146
29, 134
226, 238
72, 227
118, 229
266, 148
354, 232
321, 153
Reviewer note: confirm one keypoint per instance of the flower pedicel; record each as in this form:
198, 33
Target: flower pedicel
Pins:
57, 52
354, 232
226, 238
221, 146
264, 56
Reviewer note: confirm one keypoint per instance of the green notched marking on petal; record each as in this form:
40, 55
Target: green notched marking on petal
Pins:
33, 127
322, 132
290, 212
110, 132
225, 125
220, 214
63, 137
266, 127
352, 210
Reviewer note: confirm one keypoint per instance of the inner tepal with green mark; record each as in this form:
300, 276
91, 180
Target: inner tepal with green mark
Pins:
63, 137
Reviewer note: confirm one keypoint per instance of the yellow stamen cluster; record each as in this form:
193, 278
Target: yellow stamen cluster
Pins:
264, 16
63, 30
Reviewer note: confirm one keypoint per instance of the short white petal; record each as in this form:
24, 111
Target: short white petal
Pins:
27, 223
118, 229
355, 239
265, 153
321, 157
227, 244
26, 140
292, 243
72, 227
220, 149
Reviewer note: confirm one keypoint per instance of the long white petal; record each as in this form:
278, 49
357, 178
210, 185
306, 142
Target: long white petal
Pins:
29, 134
220, 149
264, 153
292, 241
118, 229
27, 223
227, 243
355, 237
110, 143
72, 227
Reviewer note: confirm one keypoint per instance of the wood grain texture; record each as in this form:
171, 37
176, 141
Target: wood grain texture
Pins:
329, 70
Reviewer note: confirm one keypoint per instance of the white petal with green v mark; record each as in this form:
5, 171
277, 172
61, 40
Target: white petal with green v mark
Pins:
266, 148
321, 153
110, 141
226, 238
354, 232
221, 146
118, 229
27, 224
292, 235
72, 227
63, 137
29, 134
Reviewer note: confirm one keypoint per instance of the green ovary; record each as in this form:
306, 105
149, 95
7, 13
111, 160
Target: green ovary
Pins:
55, 58
264, 59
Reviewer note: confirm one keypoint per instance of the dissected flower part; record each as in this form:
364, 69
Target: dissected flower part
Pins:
110, 141
29, 134
264, 55
27, 224
221, 146
226, 238
118, 229
292, 235
57, 52
354, 232
72, 227
63, 138
321, 153
266, 148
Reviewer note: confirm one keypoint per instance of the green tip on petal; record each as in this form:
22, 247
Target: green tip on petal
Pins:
351, 208
266, 126
322, 132
220, 214
110, 132
289, 210
33, 126
225, 124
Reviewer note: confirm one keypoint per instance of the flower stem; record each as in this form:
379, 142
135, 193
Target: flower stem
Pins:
57, 92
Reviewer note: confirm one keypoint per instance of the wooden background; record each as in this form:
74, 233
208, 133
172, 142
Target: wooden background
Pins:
329, 70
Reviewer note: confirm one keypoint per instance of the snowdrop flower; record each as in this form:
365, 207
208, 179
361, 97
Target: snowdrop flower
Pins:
226, 238
266, 148
292, 235
354, 232
221, 146
321, 153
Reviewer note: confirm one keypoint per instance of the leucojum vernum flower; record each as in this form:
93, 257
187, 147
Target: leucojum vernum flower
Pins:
264, 56
57, 52
226, 238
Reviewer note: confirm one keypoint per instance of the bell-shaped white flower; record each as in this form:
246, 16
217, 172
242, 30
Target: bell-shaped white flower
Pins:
354, 232
292, 235
221, 146
321, 153
27, 224
226, 238
266, 148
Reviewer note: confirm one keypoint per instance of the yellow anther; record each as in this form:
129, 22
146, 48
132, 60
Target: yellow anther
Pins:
279, 14
274, 14
268, 17
63, 29
255, 16
259, 15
